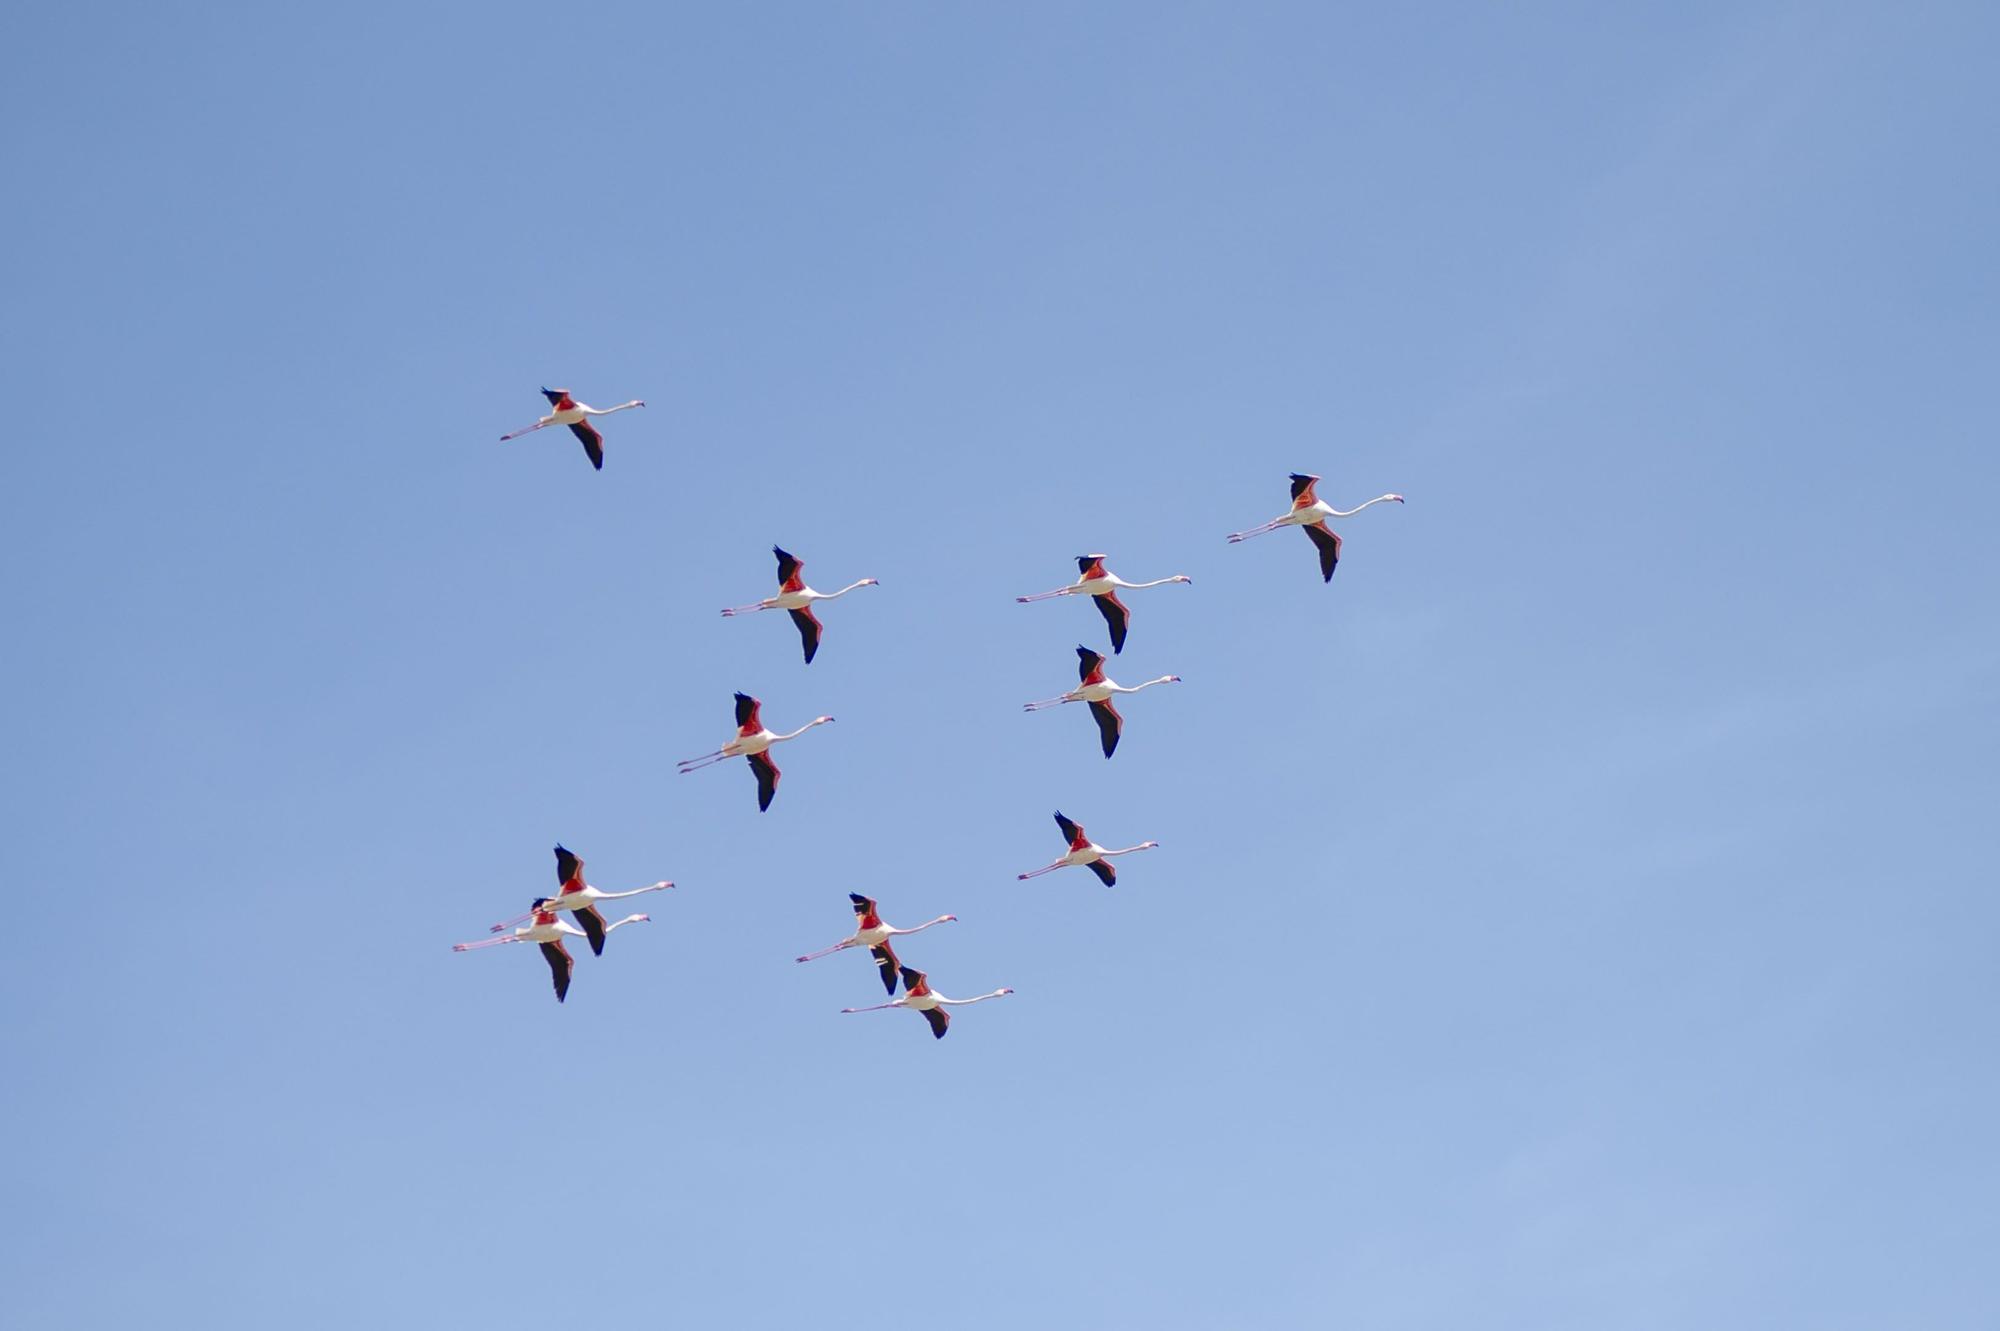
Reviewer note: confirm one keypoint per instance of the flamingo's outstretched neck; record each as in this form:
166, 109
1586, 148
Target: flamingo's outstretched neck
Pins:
1378, 499
816, 721
1159, 582
967, 1002
622, 406
660, 886
865, 582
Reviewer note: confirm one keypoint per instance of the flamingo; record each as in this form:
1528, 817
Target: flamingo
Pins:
871, 933
751, 742
566, 410
1084, 851
1310, 512
544, 928
795, 596
1097, 690
581, 898
1102, 586
917, 996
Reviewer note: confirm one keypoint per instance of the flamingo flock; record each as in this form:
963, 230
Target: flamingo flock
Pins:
543, 924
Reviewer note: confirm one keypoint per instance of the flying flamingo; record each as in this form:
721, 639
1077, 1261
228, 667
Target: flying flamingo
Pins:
795, 596
566, 410
1310, 512
581, 898
544, 928
871, 933
1084, 851
918, 997
751, 742
1102, 586
1097, 690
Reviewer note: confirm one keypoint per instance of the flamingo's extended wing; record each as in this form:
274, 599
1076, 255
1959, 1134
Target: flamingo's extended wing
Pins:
559, 967
1116, 616
1109, 725
885, 960
767, 779
593, 442
1328, 542
593, 929
809, 630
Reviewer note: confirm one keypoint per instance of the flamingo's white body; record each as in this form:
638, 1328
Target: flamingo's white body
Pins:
580, 898
919, 997
1085, 852
751, 741
1099, 583
566, 410
870, 932
794, 596
1311, 512
1097, 689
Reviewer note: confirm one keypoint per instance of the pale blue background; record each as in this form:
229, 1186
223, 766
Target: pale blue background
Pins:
1579, 915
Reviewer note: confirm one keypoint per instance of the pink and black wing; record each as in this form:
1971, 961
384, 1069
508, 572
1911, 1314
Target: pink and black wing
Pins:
1329, 549
1090, 566
559, 967
767, 779
593, 928
939, 1019
593, 442
864, 912
1071, 829
555, 396
1302, 489
789, 567
1106, 872
1089, 663
809, 630
746, 712
568, 867
1109, 725
888, 966
1116, 616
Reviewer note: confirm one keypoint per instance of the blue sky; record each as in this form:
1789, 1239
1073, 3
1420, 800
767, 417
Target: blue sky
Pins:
1576, 916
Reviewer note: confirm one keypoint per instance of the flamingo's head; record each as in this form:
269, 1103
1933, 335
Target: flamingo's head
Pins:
952, 918
1397, 498
1173, 679
1182, 577
1006, 991
871, 582
822, 720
